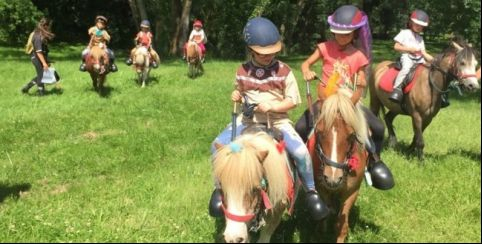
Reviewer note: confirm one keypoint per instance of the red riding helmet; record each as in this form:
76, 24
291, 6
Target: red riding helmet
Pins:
197, 23
419, 17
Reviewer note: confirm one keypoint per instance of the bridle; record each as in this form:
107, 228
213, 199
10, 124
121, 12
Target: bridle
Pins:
255, 219
324, 160
452, 73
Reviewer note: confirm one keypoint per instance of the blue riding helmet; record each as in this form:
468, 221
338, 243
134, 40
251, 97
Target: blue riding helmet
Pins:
146, 24
261, 35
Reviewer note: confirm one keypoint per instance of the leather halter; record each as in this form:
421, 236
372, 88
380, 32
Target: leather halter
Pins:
324, 160
451, 73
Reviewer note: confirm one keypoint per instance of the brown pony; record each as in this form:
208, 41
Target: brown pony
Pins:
193, 58
253, 177
339, 157
423, 102
97, 64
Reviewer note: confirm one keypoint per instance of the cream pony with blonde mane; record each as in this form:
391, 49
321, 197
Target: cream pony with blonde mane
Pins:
240, 168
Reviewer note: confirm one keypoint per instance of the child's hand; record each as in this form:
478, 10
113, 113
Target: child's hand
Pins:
309, 75
236, 96
264, 107
416, 51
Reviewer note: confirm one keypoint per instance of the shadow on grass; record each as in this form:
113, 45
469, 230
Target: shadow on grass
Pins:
311, 231
13, 190
152, 80
408, 153
105, 92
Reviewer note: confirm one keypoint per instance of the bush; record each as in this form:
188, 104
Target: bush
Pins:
18, 18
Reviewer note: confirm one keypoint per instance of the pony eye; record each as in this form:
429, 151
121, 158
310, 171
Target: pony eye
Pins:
462, 63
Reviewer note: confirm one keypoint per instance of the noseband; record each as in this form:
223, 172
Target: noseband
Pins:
324, 160
253, 220
452, 73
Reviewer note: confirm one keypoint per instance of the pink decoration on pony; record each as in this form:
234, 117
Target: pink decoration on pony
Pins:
281, 146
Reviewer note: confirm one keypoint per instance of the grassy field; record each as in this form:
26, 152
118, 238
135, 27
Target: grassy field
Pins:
133, 166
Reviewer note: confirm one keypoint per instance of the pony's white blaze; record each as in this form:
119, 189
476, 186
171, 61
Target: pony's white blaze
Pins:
235, 231
470, 83
334, 152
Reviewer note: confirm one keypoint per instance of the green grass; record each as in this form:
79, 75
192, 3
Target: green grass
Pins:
133, 166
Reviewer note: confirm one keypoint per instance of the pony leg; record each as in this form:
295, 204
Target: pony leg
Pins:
418, 143
342, 222
272, 219
392, 138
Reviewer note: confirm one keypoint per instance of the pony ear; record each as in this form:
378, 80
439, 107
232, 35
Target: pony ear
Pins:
457, 46
218, 146
262, 154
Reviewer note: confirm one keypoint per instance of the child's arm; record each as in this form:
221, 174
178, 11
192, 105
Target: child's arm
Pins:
281, 107
427, 56
106, 36
361, 84
404, 49
305, 67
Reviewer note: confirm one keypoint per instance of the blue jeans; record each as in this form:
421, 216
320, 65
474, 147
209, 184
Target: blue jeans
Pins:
294, 145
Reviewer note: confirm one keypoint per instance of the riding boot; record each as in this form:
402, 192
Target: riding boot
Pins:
28, 86
216, 203
82, 66
445, 100
317, 208
396, 95
129, 61
113, 67
381, 175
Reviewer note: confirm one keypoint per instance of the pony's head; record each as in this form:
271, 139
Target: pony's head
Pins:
97, 59
464, 65
141, 58
250, 172
193, 52
340, 131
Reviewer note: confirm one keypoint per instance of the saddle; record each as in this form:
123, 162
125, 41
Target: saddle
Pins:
388, 78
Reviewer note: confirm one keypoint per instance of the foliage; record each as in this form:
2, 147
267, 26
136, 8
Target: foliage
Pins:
18, 18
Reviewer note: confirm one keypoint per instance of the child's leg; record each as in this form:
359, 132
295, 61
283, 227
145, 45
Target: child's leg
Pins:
298, 150
216, 200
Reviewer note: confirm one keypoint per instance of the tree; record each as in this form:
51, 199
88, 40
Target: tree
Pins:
182, 28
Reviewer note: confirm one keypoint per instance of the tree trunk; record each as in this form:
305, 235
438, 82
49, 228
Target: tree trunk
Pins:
135, 11
182, 28
142, 9
287, 33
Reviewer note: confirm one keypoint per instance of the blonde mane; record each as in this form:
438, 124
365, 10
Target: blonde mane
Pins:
340, 104
97, 52
240, 171
193, 50
141, 56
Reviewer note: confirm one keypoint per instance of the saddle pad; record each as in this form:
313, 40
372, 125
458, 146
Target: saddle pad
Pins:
386, 82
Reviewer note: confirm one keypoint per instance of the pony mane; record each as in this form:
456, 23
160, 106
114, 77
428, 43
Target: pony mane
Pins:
464, 55
192, 50
97, 53
340, 104
141, 56
240, 171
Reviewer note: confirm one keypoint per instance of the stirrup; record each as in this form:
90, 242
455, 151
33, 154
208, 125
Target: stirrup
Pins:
216, 203
381, 175
317, 208
82, 67
396, 95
